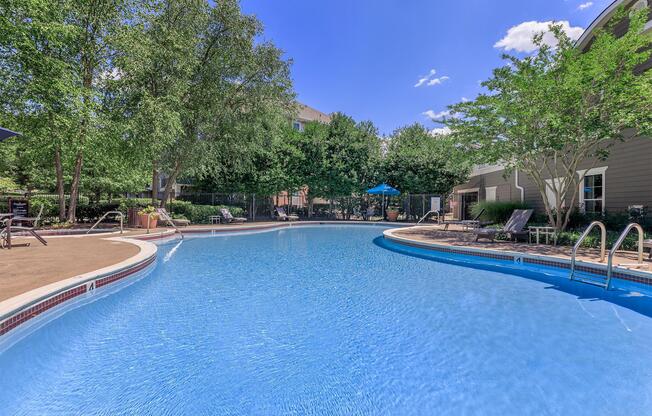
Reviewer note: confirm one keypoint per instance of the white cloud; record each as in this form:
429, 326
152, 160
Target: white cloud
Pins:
430, 79
442, 131
465, 100
585, 6
436, 116
519, 37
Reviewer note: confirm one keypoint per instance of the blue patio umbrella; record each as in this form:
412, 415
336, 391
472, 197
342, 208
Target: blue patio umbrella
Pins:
6, 133
383, 189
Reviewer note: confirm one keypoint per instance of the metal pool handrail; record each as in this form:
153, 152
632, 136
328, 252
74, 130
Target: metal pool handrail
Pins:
165, 217
603, 243
120, 215
429, 213
619, 242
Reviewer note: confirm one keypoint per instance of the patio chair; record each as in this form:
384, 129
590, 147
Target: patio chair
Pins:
474, 223
165, 216
229, 218
7, 229
648, 244
513, 228
371, 211
282, 216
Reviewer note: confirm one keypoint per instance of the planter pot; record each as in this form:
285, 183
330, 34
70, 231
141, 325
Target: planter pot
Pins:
392, 215
143, 221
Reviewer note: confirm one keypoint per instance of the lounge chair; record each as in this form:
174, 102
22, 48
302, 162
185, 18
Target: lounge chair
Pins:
229, 218
513, 228
371, 212
282, 216
7, 229
474, 223
165, 216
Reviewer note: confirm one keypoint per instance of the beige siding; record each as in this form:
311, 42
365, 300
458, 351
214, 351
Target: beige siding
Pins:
627, 181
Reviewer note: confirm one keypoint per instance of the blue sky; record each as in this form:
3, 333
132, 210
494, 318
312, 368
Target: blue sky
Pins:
366, 57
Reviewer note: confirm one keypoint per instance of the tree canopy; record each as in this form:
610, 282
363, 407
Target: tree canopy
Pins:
418, 161
546, 113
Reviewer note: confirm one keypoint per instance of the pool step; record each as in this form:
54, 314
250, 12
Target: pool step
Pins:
591, 279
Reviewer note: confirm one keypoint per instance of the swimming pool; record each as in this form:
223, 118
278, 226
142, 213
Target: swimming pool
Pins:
335, 320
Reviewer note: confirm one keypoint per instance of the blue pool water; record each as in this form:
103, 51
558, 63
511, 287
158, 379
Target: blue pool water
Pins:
335, 321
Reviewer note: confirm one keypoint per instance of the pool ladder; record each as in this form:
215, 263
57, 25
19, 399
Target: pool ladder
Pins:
606, 283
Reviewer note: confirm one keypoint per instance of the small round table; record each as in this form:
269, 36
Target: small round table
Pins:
544, 230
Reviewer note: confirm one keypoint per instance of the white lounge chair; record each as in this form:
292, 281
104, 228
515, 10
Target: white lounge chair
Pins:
282, 216
229, 218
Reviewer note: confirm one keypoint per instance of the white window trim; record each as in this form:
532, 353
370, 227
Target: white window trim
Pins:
467, 191
589, 172
485, 169
494, 190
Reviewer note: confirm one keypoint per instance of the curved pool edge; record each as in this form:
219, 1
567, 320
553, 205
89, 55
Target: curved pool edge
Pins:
18, 310
619, 274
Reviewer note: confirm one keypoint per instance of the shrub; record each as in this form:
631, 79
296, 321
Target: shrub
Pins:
198, 214
569, 238
496, 211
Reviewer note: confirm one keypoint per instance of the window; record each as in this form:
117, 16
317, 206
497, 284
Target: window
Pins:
297, 125
593, 195
490, 193
592, 190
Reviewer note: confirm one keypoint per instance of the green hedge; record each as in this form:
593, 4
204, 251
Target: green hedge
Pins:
86, 211
198, 214
496, 211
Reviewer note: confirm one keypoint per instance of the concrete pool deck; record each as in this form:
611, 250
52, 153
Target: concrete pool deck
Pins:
26, 268
455, 237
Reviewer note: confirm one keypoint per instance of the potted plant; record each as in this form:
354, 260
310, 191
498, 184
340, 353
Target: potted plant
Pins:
148, 215
392, 214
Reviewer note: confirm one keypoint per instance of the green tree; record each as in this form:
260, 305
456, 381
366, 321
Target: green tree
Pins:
350, 157
155, 60
417, 161
233, 79
54, 58
40, 88
547, 113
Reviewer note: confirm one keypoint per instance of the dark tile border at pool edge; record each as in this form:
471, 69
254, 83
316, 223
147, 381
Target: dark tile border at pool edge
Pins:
35, 309
525, 258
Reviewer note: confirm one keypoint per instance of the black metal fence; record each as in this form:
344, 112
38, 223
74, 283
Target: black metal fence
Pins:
410, 207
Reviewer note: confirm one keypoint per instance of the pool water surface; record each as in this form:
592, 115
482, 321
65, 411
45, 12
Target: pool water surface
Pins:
327, 320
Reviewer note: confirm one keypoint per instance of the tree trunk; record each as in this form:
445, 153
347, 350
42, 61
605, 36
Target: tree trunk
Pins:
74, 187
172, 180
60, 186
154, 183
